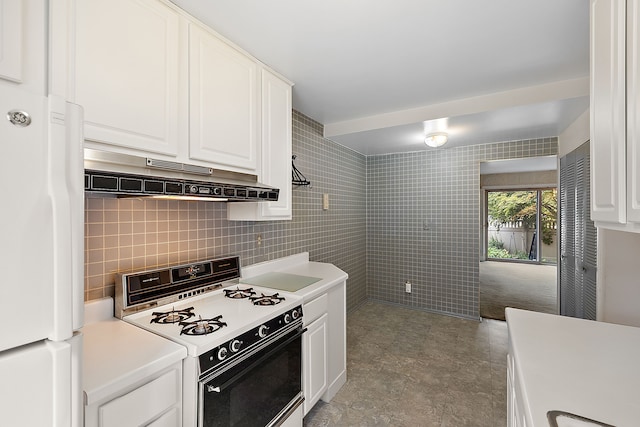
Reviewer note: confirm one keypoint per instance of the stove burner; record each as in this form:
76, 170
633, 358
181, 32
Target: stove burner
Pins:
202, 326
267, 299
173, 316
238, 293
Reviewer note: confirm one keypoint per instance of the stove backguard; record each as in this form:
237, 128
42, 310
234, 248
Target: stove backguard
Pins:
143, 289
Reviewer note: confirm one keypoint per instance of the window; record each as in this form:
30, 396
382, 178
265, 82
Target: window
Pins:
521, 225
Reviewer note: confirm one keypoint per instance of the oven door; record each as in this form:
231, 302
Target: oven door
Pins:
262, 390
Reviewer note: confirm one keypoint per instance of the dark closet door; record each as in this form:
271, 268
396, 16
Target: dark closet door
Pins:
578, 239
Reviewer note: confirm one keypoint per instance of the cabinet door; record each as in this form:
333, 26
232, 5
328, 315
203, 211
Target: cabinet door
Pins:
633, 111
337, 345
276, 143
511, 394
169, 419
315, 362
126, 73
11, 39
224, 105
23, 44
608, 110
275, 164
143, 404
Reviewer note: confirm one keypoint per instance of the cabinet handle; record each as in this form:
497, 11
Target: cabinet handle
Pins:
211, 388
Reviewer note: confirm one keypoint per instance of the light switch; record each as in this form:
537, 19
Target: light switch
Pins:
325, 202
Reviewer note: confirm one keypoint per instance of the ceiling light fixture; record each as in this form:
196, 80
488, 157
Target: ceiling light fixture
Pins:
436, 140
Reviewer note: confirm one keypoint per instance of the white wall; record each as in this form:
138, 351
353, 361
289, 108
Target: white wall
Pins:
618, 268
620, 274
575, 135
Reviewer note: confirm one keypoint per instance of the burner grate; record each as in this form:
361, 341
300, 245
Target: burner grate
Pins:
239, 293
267, 299
173, 316
202, 326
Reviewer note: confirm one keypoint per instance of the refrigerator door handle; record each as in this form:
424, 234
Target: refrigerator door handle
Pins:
66, 191
75, 179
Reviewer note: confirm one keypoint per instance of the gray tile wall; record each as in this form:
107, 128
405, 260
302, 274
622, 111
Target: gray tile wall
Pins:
124, 234
423, 224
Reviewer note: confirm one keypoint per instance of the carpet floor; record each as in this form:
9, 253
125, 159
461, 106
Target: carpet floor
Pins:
527, 286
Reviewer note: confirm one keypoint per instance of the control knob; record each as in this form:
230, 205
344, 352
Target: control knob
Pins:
295, 314
262, 331
222, 353
287, 318
235, 346
193, 188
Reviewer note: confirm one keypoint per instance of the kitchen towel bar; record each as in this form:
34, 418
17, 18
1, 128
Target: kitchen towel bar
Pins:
297, 178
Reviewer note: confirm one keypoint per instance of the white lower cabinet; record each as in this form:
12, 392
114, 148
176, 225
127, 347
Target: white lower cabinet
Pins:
314, 356
324, 357
337, 343
515, 415
169, 419
157, 402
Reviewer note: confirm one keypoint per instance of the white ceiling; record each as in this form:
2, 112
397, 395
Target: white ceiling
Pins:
374, 71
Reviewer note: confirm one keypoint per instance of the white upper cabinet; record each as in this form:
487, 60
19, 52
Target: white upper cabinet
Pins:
275, 164
11, 40
23, 49
156, 82
223, 103
125, 69
276, 143
608, 109
615, 117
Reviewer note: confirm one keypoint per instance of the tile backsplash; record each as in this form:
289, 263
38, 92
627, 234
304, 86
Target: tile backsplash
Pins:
137, 233
392, 218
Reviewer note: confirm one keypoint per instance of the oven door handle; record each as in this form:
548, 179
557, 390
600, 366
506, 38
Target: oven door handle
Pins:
222, 387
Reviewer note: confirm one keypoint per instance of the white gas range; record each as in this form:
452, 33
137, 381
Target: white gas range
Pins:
243, 342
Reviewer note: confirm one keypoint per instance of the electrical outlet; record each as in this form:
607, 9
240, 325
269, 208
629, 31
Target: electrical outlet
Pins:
259, 239
407, 287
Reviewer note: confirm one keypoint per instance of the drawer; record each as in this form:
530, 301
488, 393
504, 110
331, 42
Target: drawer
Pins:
170, 419
144, 403
315, 308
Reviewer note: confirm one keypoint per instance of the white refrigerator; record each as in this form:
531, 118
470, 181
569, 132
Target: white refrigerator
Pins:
41, 259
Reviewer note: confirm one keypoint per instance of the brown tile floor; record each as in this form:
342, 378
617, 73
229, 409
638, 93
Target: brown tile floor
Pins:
410, 368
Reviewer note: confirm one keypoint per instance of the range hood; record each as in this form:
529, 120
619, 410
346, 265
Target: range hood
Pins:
124, 175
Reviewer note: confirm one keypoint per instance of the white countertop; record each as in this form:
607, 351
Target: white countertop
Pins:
299, 264
117, 355
584, 367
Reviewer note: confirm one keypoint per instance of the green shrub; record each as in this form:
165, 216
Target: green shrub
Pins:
495, 243
498, 253
521, 255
